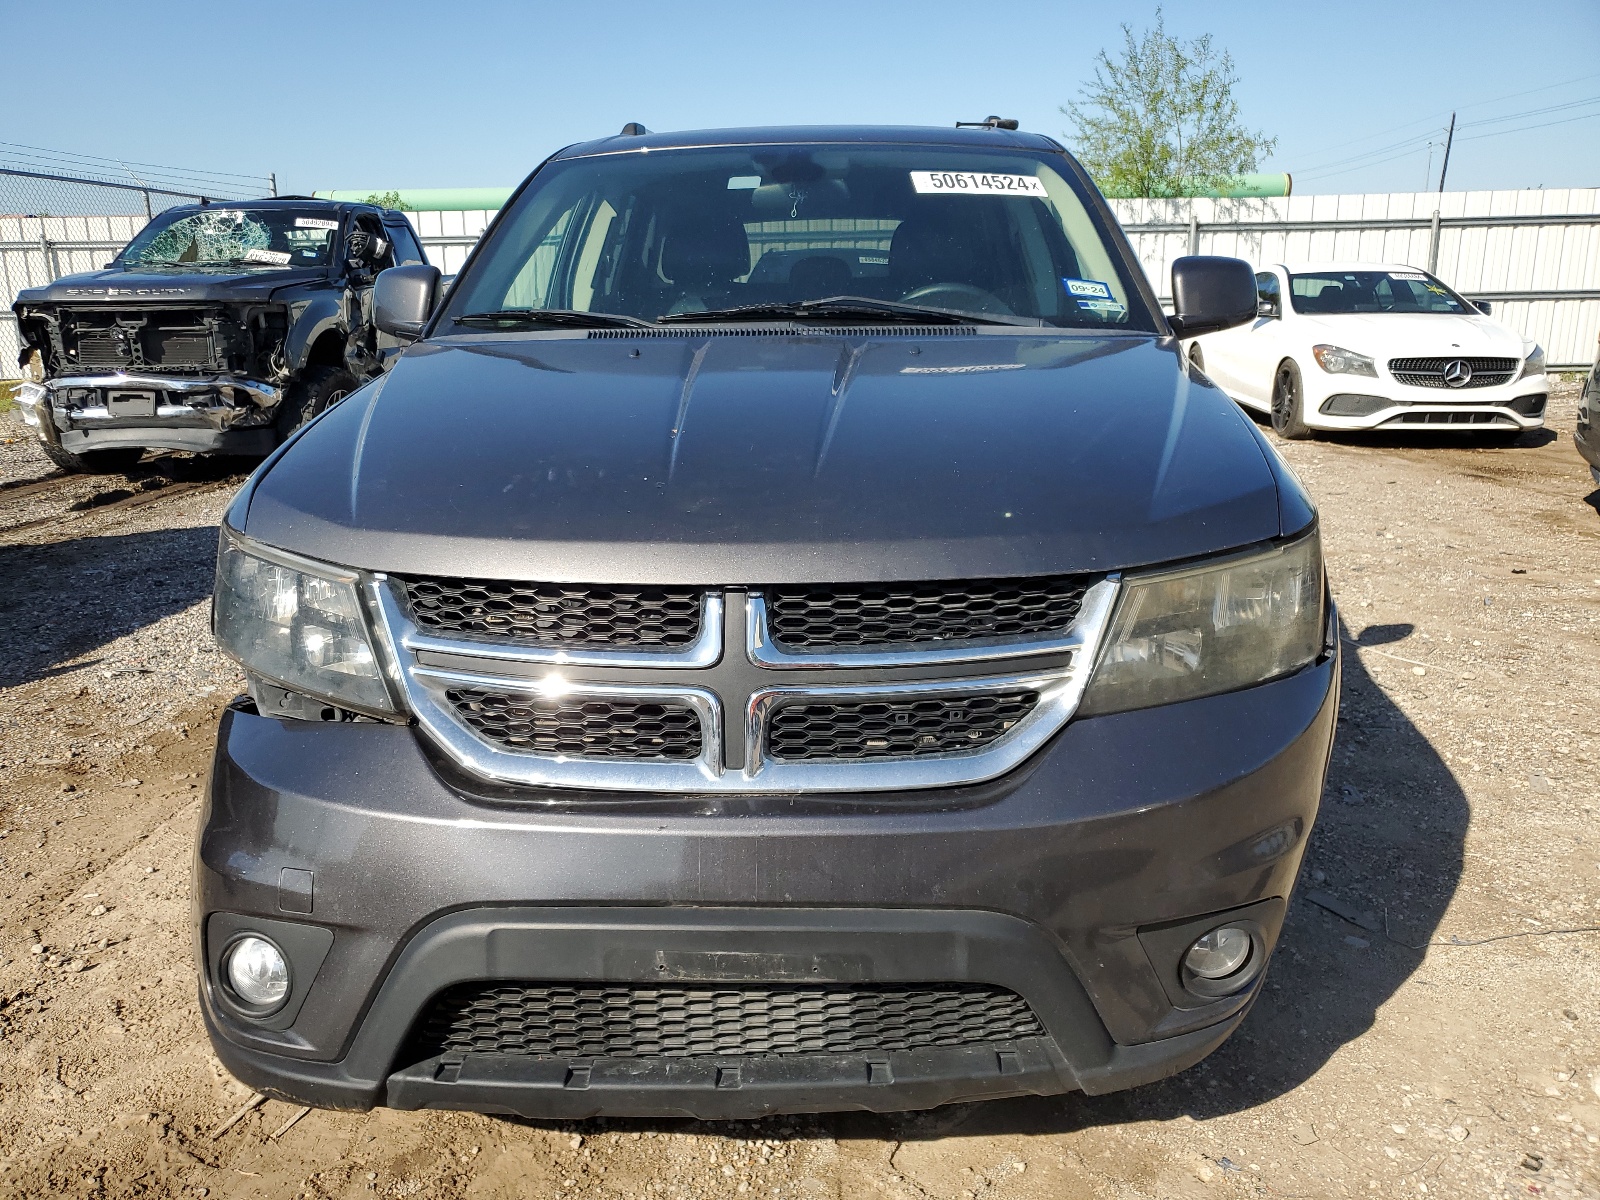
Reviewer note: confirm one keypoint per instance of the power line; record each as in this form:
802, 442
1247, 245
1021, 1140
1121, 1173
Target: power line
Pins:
1524, 128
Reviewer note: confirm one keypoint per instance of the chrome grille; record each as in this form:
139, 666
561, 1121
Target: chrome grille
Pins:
894, 728
1429, 372
576, 1020
555, 613
580, 726
832, 615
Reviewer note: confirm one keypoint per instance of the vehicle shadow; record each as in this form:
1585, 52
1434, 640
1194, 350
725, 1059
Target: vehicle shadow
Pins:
62, 600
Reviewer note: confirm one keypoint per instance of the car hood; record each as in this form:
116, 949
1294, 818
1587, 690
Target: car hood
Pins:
118, 286
774, 459
1382, 335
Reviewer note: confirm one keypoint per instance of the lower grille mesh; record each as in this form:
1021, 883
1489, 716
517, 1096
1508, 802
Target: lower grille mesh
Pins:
581, 727
894, 728
634, 1021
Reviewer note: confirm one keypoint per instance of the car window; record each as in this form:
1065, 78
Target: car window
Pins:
406, 247
1406, 290
365, 227
685, 231
234, 237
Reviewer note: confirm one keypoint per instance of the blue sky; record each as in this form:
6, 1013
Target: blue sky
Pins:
407, 94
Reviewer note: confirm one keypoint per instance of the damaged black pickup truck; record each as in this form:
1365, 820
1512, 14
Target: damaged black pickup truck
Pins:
220, 328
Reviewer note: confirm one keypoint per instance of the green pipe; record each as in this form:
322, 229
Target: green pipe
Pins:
429, 199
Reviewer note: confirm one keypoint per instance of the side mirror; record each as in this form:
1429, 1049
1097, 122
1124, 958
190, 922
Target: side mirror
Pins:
403, 298
1210, 294
1271, 309
1482, 306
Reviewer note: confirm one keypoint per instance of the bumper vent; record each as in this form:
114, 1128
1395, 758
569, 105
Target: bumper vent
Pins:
637, 1021
894, 728
1487, 419
825, 616
580, 727
1438, 372
554, 613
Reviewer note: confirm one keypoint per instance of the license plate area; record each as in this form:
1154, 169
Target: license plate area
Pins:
131, 404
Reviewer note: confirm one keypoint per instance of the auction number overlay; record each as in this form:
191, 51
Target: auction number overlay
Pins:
972, 183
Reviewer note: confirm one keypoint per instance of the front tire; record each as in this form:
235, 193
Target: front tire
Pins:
94, 462
313, 394
1197, 360
1288, 404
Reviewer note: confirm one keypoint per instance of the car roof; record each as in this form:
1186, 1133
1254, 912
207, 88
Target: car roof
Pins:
1311, 268
295, 202
905, 135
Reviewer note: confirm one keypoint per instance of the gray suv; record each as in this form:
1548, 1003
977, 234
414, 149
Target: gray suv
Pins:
789, 634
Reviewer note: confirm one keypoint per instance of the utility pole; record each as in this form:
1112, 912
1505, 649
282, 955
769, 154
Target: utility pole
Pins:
1448, 138
272, 179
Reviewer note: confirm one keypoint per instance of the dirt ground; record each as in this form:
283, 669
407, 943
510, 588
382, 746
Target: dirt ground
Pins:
1431, 1024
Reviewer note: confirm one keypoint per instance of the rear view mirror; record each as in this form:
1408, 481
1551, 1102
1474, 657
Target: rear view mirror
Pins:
1210, 294
1482, 306
403, 299
1268, 307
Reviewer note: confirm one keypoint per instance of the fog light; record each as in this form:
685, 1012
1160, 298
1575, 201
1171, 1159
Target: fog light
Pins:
257, 972
1220, 953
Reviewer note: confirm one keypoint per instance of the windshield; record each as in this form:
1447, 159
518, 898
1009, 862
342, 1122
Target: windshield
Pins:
992, 235
1372, 291
235, 237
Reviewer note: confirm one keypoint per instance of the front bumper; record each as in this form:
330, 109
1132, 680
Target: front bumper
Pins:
1041, 882
214, 414
1354, 402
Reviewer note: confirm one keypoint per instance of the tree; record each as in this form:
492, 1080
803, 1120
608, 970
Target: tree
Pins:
1161, 120
390, 199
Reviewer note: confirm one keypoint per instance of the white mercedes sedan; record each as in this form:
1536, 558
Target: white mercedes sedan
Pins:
1356, 346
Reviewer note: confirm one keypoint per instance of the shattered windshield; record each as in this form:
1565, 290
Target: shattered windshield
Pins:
241, 237
804, 232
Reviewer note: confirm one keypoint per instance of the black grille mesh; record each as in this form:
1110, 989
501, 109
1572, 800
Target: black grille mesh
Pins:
1429, 372
636, 1021
581, 727
556, 613
894, 728
831, 615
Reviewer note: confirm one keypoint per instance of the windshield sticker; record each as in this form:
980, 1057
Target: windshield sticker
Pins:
1417, 275
972, 183
276, 258
1093, 295
743, 183
314, 223
873, 260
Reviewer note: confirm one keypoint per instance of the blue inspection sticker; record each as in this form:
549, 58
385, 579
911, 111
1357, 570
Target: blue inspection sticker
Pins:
1093, 295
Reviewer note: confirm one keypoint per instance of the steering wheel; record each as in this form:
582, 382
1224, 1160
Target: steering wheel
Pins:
963, 297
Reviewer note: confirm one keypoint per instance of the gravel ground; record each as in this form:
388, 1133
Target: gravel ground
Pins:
1430, 1024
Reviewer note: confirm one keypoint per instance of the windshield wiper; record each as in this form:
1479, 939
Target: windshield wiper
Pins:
560, 317
846, 308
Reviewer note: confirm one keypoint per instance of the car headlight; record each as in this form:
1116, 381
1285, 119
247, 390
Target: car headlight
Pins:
1533, 364
297, 623
1211, 628
1336, 360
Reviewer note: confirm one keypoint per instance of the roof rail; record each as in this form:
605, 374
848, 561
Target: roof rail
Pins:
633, 129
990, 122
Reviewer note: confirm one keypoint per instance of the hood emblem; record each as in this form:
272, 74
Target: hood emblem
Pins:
1457, 373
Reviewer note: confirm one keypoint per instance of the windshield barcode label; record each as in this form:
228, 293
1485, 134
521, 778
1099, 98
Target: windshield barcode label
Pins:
971, 183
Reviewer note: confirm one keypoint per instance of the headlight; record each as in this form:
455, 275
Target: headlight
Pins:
1533, 364
1336, 360
297, 623
1211, 628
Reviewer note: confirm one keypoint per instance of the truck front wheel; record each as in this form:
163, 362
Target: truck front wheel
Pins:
318, 390
94, 462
